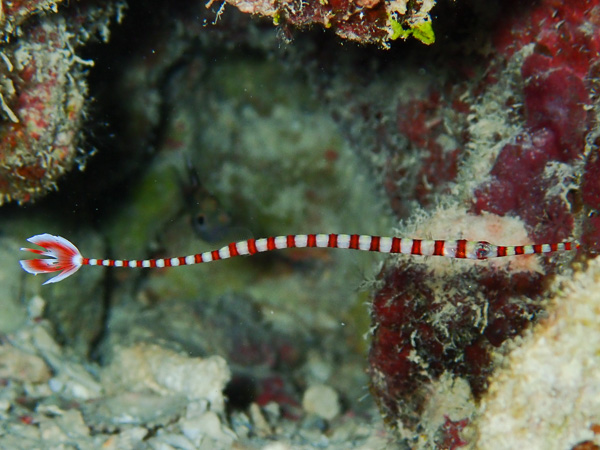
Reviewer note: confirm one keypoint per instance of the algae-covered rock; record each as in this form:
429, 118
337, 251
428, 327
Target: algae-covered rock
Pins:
547, 393
364, 21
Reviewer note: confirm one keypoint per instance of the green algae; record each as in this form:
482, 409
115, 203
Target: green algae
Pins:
422, 31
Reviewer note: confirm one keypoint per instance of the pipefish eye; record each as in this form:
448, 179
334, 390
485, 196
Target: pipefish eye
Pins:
482, 250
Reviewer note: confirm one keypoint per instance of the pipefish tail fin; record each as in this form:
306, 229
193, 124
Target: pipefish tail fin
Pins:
60, 256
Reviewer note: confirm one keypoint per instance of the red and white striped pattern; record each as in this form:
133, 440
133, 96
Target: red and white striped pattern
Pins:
64, 256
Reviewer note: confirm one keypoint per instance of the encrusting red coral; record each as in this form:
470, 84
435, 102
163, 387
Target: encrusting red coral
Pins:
560, 56
38, 144
15, 13
591, 199
424, 123
42, 95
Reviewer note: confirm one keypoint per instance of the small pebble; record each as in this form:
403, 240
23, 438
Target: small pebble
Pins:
261, 425
277, 446
321, 400
208, 425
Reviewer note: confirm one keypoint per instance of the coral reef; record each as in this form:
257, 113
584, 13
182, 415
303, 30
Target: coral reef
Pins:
492, 137
43, 92
364, 21
437, 319
532, 121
